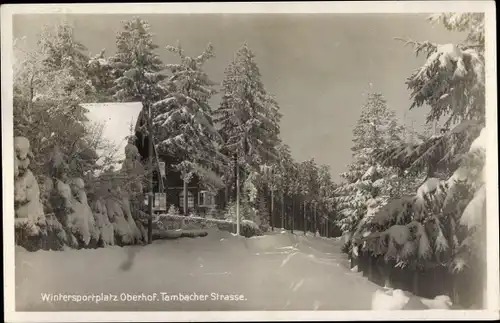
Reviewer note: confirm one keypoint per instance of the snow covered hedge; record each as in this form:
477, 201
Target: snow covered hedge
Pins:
62, 216
247, 229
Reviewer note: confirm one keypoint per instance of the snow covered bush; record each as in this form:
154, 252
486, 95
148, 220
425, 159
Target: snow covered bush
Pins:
26, 189
34, 229
173, 210
71, 208
247, 212
126, 230
29, 213
250, 229
102, 222
214, 213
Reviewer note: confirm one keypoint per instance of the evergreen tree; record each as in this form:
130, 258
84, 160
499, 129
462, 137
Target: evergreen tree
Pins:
326, 195
376, 128
294, 190
49, 86
63, 53
282, 177
183, 118
248, 116
451, 83
137, 69
443, 223
309, 187
100, 73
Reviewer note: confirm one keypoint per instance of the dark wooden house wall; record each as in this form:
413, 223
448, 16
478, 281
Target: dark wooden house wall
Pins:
173, 185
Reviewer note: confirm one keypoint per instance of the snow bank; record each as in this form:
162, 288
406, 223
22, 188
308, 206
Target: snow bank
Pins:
397, 299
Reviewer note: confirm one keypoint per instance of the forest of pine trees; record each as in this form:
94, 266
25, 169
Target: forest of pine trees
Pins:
242, 133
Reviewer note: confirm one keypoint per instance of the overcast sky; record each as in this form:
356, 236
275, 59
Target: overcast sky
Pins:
317, 65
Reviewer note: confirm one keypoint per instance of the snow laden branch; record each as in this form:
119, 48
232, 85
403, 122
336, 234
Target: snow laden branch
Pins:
182, 119
438, 152
451, 81
439, 224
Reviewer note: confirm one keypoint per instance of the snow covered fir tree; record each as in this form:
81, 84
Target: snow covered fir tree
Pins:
322, 195
439, 229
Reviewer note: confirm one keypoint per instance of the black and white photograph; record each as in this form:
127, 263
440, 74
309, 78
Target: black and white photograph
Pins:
250, 161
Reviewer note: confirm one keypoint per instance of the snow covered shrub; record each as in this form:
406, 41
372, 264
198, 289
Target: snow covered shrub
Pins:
136, 233
246, 211
214, 213
32, 228
102, 222
55, 236
79, 218
265, 227
26, 189
173, 210
173, 221
123, 234
249, 229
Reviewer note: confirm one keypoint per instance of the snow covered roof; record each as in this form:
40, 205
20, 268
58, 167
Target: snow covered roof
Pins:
117, 120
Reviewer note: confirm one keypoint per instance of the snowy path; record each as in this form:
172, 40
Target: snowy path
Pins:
274, 272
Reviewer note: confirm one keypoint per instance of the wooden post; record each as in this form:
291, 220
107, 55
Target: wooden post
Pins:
185, 202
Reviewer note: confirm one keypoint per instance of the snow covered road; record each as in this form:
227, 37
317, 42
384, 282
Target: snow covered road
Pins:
217, 272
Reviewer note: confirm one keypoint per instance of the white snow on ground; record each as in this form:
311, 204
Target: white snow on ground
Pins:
219, 263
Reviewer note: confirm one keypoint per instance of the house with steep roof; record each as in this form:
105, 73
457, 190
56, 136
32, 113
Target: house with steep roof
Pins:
120, 122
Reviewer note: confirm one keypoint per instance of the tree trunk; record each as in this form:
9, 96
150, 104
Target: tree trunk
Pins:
305, 219
293, 212
327, 233
185, 204
283, 210
272, 210
237, 199
226, 195
415, 282
235, 160
315, 220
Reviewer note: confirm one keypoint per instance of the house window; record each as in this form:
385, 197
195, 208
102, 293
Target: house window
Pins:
160, 202
190, 200
206, 198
